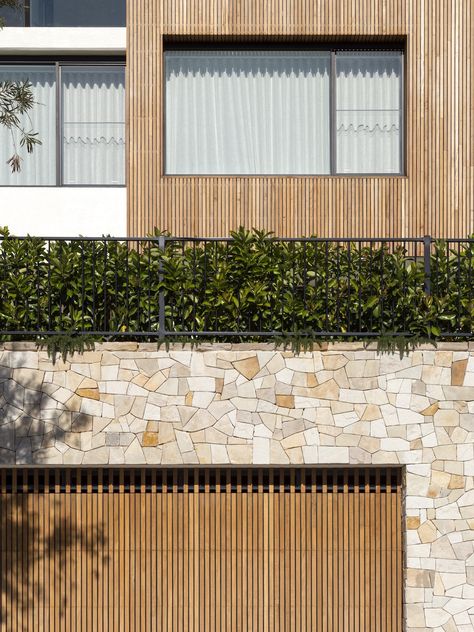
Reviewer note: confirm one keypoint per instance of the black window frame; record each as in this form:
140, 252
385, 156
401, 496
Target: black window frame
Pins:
58, 63
333, 49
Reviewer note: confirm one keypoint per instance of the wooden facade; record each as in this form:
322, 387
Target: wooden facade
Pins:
436, 194
201, 550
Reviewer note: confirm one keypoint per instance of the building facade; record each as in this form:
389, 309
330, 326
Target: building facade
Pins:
302, 174
235, 485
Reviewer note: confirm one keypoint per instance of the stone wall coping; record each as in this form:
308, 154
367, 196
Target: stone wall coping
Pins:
243, 346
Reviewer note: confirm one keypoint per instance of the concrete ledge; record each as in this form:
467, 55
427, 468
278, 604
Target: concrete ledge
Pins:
242, 346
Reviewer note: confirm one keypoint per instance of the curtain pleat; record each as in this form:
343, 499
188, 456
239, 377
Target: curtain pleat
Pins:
38, 168
93, 125
369, 112
247, 112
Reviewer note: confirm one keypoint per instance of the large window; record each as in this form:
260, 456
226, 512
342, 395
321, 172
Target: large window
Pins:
283, 112
79, 114
66, 13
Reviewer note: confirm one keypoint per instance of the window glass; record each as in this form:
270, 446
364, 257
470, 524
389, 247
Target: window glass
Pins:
13, 16
38, 168
77, 12
93, 115
369, 112
244, 112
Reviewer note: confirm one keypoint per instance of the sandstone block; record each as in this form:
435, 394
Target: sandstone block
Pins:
249, 367
240, 454
150, 439
412, 522
285, 401
446, 418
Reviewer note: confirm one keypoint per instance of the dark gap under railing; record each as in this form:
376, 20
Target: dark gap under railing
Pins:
196, 480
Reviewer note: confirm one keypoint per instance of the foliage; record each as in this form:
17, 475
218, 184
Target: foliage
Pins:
401, 344
65, 345
293, 292
16, 101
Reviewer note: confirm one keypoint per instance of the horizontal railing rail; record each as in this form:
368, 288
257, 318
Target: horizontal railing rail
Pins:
249, 285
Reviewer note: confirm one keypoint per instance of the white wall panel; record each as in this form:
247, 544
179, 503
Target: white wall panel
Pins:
62, 40
66, 211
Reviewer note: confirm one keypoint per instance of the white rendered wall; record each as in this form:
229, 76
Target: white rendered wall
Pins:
64, 211
56, 40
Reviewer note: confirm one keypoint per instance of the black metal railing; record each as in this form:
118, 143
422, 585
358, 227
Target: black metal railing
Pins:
249, 286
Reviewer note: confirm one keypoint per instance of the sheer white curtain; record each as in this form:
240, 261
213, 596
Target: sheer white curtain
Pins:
369, 114
38, 168
93, 125
247, 112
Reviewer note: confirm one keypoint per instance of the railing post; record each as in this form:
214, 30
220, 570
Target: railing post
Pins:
427, 260
161, 296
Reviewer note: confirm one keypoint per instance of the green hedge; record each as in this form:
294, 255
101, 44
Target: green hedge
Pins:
251, 283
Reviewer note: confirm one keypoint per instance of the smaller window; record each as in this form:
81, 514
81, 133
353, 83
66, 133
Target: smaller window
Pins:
38, 168
93, 125
369, 112
81, 144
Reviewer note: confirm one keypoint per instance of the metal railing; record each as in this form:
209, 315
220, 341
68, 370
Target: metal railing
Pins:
248, 286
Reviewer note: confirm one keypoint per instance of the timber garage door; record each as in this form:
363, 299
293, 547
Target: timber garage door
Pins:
201, 550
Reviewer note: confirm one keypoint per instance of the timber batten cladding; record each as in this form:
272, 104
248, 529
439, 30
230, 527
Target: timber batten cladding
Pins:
202, 549
437, 195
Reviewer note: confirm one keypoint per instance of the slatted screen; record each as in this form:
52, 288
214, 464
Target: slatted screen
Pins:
436, 197
201, 550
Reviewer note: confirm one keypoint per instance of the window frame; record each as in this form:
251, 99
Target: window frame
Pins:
392, 47
58, 63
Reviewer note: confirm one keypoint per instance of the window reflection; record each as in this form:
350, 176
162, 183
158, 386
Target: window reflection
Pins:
13, 17
65, 13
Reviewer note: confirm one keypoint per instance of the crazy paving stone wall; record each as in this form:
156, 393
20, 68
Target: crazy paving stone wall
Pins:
131, 404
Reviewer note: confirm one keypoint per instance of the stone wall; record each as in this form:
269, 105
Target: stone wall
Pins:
131, 404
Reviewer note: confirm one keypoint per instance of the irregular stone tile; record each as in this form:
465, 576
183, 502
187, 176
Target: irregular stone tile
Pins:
7, 457
446, 418
90, 407
185, 443
412, 522
371, 413
152, 412
200, 420
219, 454
152, 455
458, 372
204, 399
295, 456
23, 360
301, 363
29, 378
134, 453
332, 361
248, 367
333, 455
149, 439
464, 393
285, 401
